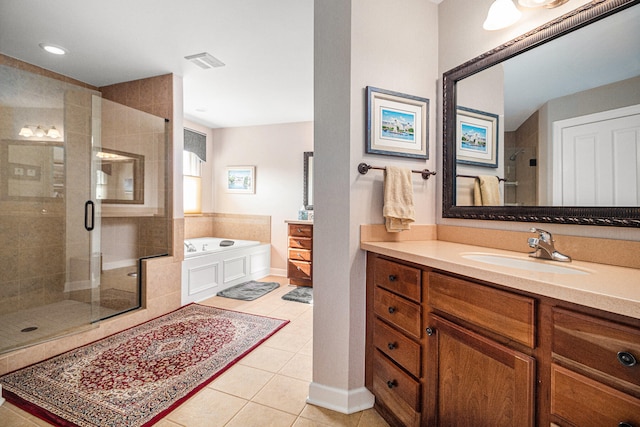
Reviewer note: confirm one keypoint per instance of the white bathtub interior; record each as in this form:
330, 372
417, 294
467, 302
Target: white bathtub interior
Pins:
209, 268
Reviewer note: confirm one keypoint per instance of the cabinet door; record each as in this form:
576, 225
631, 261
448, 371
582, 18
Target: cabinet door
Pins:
474, 381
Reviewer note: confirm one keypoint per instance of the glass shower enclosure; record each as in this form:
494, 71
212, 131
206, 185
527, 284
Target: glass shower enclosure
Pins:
82, 200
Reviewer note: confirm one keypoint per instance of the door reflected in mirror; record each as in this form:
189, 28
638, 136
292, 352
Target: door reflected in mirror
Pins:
308, 180
119, 177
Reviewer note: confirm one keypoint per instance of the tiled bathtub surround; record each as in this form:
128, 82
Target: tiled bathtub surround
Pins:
235, 226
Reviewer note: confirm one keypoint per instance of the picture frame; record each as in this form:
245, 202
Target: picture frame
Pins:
476, 137
241, 179
397, 124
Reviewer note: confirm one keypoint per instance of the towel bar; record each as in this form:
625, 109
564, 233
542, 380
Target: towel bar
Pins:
363, 168
473, 176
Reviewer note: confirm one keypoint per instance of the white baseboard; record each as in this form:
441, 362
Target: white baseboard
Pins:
278, 272
339, 400
1, 398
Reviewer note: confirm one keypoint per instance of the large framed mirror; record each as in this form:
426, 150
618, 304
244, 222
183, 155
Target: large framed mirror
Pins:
120, 177
308, 180
566, 133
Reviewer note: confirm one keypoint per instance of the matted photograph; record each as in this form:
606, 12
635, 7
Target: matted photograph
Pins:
241, 179
476, 137
397, 124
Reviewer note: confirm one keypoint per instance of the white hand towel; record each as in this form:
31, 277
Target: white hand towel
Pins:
398, 209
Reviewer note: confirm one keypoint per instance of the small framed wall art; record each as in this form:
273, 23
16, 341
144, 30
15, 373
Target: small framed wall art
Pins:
397, 124
241, 179
476, 137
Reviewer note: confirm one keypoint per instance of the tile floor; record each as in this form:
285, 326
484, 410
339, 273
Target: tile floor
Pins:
266, 388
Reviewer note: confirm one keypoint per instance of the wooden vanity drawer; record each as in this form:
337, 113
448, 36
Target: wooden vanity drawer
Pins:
398, 278
501, 312
301, 230
598, 344
398, 311
398, 347
582, 401
396, 389
299, 270
300, 254
300, 242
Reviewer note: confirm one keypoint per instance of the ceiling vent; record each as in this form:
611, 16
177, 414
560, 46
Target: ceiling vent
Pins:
205, 60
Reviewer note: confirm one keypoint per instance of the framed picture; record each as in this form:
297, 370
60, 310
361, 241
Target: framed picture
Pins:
241, 179
476, 138
397, 124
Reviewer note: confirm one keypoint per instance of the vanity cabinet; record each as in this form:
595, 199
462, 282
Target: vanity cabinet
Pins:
299, 254
394, 357
448, 350
595, 371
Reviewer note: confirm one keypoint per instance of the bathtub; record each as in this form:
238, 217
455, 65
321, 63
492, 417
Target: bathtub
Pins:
210, 267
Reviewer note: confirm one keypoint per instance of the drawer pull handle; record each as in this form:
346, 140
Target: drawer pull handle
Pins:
299, 230
624, 424
392, 383
392, 346
430, 331
299, 269
626, 359
392, 310
392, 278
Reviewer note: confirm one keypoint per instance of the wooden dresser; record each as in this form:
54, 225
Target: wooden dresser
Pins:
299, 253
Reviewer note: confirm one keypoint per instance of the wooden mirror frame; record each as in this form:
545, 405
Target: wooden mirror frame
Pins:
611, 216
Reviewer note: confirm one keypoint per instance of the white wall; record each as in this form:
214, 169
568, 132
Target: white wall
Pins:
461, 38
277, 153
359, 43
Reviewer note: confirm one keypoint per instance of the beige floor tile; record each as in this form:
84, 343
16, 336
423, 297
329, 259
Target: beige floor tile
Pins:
284, 393
242, 381
327, 417
307, 348
166, 423
267, 358
208, 408
255, 415
371, 418
300, 367
14, 418
287, 341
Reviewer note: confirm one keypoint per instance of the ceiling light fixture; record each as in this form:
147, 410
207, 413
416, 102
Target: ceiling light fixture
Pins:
51, 48
502, 13
39, 131
205, 60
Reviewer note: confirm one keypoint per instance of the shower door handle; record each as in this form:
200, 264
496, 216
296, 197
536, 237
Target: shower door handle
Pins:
89, 219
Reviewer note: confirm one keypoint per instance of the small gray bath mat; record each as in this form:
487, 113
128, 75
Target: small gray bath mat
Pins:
302, 294
248, 291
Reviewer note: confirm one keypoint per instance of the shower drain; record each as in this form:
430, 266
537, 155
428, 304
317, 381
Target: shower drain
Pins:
29, 329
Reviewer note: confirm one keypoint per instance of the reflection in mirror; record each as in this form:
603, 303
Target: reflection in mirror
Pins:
568, 138
34, 170
308, 180
120, 177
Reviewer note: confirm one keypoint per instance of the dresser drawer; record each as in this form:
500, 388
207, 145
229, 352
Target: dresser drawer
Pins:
398, 347
300, 254
398, 311
300, 242
501, 312
599, 344
582, 401
398, 278
299, 270
396, 389
301, 230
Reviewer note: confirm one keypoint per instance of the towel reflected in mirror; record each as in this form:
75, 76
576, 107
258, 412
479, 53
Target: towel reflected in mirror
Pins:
486, 191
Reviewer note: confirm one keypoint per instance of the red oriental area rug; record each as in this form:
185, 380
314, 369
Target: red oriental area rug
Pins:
137, 376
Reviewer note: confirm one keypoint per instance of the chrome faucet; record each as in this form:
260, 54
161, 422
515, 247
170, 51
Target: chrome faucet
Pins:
190, 247
543, 245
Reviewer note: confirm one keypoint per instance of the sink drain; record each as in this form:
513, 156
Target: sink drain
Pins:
29, 329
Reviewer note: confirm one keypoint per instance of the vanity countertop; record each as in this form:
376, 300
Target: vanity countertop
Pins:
299, 221
605, 287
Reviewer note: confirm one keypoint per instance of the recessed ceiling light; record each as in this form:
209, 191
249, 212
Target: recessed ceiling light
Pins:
56, 50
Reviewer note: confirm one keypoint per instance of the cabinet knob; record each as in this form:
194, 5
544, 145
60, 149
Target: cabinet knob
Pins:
392, 310
299, 230
299, 269
626, 359
392, 383
430, 331
392, 346
624, 424
392, 278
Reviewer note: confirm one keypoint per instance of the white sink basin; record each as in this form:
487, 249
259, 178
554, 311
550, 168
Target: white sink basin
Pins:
529, 264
